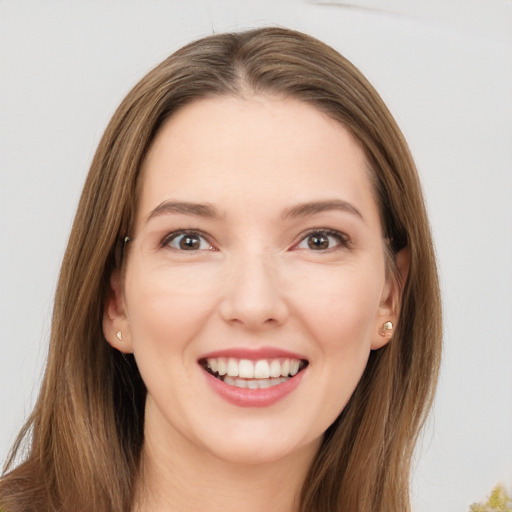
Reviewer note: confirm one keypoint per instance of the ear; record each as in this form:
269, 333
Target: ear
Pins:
389, 308
116, 328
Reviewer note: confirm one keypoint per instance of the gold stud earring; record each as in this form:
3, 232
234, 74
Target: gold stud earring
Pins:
387, 327
119, 336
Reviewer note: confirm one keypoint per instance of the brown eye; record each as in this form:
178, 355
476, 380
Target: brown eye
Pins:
318, 242
323, 240
188, 241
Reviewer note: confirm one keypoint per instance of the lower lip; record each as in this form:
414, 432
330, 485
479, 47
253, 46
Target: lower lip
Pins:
243, 397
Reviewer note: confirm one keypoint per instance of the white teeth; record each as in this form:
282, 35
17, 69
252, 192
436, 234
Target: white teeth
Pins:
239, 383
213, 365
285, 368
232, 367
221, 366
294, 366
246, 369
254, 383
275, 368
262, 369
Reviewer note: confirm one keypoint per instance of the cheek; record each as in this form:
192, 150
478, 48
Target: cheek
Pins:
339, 320
341, 313
165, 313
166, 309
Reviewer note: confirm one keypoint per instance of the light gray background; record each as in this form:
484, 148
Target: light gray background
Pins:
445, 70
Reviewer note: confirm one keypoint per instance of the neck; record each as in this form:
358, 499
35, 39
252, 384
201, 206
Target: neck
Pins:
189, 478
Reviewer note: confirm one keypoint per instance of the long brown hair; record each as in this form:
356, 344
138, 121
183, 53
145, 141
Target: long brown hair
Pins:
86, 431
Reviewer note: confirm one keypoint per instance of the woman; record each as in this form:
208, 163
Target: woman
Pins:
248, 310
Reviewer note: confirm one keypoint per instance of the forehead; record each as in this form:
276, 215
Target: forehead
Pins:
263, 151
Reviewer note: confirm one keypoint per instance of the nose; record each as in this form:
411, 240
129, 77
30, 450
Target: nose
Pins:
253, 293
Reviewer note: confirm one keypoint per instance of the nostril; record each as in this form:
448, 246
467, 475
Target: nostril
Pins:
253, 312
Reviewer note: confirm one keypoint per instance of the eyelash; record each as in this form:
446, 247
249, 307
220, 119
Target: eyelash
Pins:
185, 232
342, 239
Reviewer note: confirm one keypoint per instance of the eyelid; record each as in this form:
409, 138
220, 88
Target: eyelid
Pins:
343, 238
169, 237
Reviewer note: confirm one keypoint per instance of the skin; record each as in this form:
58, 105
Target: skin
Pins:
255, 281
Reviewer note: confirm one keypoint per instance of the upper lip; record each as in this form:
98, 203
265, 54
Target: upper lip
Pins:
253, 354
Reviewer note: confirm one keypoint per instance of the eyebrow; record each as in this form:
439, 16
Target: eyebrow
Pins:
209, 211
184, 208
314, 207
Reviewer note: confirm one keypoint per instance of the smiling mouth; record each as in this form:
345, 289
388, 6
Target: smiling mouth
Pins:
260, 374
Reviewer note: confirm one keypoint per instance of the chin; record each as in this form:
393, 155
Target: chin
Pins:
252, 446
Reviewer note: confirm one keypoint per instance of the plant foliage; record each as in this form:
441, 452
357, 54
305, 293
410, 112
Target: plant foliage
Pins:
499, 501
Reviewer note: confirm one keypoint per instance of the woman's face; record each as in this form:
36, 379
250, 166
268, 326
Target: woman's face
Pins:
257, 251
